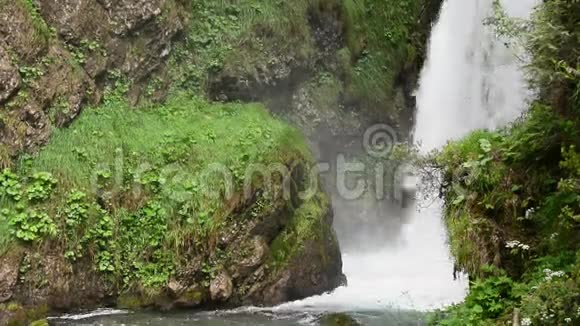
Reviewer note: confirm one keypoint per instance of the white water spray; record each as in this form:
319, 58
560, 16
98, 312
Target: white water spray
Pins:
471, 80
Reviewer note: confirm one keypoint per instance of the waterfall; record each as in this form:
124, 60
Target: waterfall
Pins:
471, 80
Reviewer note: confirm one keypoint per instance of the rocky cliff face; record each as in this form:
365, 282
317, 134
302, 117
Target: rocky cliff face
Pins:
58, 56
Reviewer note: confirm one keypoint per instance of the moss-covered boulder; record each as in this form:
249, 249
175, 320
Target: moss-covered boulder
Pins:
185, 205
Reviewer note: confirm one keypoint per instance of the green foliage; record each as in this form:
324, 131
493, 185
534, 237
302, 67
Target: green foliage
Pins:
40, 186
556, 48
30, 73
513, 196
250, 40
240, 38
29, 225
554, 298
76, 209
85, 48
10, 186
383, 37
43, 31
488, 299
117, 88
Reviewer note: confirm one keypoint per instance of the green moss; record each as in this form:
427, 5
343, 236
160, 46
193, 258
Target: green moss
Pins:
308, 223
13, 307
339, 320
192, 297
25, 316
240, 38
130, 302
41, 322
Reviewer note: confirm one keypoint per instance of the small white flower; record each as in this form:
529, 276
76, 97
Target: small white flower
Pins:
525, 247
530, 213
568, 320
553, 236
526, 322
512, 244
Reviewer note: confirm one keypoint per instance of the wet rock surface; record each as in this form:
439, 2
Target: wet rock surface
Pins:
221, 287
8, 276
9, 77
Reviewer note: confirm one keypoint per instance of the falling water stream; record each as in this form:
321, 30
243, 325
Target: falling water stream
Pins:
471, 80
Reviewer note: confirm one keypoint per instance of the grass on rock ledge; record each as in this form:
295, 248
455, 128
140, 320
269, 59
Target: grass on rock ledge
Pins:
136, 188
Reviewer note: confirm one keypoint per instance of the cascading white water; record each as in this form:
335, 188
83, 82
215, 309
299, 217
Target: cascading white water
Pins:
471, 80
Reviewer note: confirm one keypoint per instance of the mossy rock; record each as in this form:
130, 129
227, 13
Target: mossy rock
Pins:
339, 320
14, 314
41, 322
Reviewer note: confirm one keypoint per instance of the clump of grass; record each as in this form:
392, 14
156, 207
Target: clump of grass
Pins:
5, 237
40, 25
5, 157
101, 134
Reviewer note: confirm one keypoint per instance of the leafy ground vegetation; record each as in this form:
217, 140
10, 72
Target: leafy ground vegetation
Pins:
134, 191
513, 196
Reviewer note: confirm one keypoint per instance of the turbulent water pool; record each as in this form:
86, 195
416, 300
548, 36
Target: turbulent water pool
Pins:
246, 316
